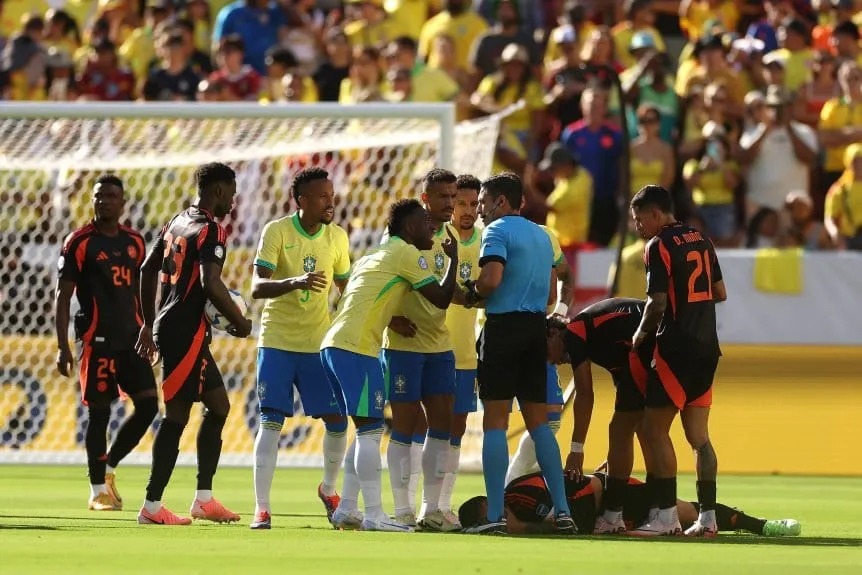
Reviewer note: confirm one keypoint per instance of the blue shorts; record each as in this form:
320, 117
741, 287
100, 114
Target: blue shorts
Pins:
410, 376
356, 381
555, 390
279, 371
466, 391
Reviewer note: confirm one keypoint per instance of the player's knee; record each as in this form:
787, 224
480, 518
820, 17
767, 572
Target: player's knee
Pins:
146, 408
215, 418
459, 426
271, 418
696, 438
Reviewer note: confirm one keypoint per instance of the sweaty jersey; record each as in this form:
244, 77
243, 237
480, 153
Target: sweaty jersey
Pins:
432, 335
106, 273
461, 321
190, 239
377, 285
298, 320
682, 263
602, 333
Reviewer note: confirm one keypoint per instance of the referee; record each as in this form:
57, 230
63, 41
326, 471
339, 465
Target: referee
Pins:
516, 259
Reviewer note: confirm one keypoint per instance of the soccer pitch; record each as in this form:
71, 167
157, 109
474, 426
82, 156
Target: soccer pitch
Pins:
45, 528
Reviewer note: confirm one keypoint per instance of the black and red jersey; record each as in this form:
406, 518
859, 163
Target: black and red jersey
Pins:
529, 499
190, 239
106, 271
681, 262
602, 333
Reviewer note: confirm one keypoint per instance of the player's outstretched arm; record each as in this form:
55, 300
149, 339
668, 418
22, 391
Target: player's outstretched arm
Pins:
440, 295
62, 302
583, 412
264, 287
218, 294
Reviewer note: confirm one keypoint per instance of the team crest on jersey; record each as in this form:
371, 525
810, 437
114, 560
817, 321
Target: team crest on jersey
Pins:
465, 270
309, 263
219, 252
439, 261
400, 385
542, 510
133, 252
423, 263
378, 399
60, 263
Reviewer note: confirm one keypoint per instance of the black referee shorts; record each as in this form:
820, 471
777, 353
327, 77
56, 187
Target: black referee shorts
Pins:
513, 351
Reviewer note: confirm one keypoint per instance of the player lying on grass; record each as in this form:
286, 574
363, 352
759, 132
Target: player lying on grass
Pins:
529, 509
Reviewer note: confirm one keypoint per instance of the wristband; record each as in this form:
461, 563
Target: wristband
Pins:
561, 309
577, 447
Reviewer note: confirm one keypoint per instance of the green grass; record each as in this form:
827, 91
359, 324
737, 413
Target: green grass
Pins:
45, 528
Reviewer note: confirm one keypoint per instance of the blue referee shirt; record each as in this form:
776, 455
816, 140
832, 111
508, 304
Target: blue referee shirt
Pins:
525, 249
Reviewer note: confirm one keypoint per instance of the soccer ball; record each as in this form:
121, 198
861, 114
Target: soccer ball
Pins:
215, 317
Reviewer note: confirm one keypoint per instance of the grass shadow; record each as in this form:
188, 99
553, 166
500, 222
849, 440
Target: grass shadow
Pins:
720, 540
31, 527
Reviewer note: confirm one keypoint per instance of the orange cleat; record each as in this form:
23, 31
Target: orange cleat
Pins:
102, 502
111, 485
212, 510
163, 517
330, 502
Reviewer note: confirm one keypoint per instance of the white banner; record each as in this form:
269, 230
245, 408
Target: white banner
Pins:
828, 311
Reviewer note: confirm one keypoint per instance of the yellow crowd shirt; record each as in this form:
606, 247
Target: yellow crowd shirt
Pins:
378, 284
460, 320
432, 336
838, 113
298, 320
711, 190
408, 16
533, 96
844, 203
570, 204
463, 28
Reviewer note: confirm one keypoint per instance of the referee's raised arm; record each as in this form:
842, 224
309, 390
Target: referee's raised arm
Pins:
516, 260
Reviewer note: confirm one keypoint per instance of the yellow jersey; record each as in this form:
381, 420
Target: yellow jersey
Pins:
378, 284
570, 204
632, 282
461, 321
432, 336
463, 28
408, 16
711, 190
298, 320
533, 96
844, 203
838, 113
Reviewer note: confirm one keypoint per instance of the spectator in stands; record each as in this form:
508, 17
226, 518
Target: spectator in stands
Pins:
297, 87
632, 279
335, 69
370, 25
243, 81
598, 146
61, 32
766, 29
843, 210
199, 13
509, 29
565, 82
103, 78
215, 90
60, 76
713, 67
573, 18
531, 13
640, 17
794, 39
22, 63
841, 122
598, 51
428, 84
138, 51
845, 42
650, 83
569, 205
746, 60
695, 15
444, 58
279, 62
200, 61
457, 21
778, 153
258, 23
408, 16
302, 34
818, 90
715, 110
763, 229
774, 73
400, 84
803, 230
366, 80
652, 159
711, 177
174, 79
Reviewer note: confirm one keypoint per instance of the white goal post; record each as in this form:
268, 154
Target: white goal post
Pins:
50, 154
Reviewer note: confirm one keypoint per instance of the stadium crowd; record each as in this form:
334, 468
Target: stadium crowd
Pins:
750, 111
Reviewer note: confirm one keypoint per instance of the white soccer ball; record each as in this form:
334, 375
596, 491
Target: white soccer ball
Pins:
217, 320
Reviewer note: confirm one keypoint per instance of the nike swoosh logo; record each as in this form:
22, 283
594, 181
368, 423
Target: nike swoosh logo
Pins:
290, 246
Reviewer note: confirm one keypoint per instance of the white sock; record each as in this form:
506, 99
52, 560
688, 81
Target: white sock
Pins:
350, 486
108, 469
265, 459
204, 495
97, 489
434, 459
707, 517
398, 459
334, 444
368, 467
152, 506
454, 461
415, 471
524, 461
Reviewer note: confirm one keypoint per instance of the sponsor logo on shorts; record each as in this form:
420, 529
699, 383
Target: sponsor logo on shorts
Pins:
400, 385
378, 399
309, 263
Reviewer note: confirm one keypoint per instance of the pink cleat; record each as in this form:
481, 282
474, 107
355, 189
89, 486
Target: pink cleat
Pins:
162, 517
212, 510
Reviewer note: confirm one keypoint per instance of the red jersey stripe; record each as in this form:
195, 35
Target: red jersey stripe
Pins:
669, 381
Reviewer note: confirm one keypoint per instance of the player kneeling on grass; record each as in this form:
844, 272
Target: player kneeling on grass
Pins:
188, 257
528, 507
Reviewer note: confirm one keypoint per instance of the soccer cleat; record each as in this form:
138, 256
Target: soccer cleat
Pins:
262, 520
705, 526
438, 522
212, 510
330, 502
666, 522
347, 520
102, 502
564, 525
111, 486
406, 518
385, 523
163, 517
782, 528
609, 526
485, 527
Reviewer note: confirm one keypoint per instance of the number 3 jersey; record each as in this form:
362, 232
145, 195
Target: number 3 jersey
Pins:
190, 239
105, 271
681, 262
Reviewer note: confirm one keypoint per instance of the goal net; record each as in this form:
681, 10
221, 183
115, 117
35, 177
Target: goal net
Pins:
50, 155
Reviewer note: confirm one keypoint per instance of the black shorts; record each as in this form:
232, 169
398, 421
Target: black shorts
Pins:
513, 351
631, 383
105, 372
680, 380
188, 367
